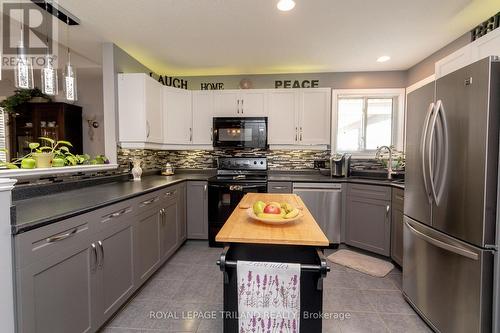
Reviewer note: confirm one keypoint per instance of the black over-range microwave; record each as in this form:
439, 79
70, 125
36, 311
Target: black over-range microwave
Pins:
242, 132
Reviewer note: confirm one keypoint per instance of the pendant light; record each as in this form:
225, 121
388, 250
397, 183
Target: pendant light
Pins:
23, 70
69, 75
48, 72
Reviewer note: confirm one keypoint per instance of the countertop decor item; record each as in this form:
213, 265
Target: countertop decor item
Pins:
169, 170
137, 170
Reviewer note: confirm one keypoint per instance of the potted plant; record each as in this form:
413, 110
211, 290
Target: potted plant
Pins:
45, 154
21, 96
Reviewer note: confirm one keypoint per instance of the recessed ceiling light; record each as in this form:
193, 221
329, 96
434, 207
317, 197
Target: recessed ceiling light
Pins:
383, 59
285, 5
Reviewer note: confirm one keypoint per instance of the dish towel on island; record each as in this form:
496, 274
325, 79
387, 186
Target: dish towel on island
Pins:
268, 297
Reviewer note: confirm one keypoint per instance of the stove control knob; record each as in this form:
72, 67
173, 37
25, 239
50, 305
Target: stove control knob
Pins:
254, 162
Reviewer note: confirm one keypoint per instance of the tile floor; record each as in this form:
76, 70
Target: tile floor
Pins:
191, 282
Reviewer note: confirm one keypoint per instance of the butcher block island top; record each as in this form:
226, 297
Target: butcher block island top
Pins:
240, 228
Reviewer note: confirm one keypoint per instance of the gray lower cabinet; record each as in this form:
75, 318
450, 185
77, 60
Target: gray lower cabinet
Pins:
368, 220
73, 275
197, 210
279, 187
169, 215
147, 243
397, 226
55, 294
115, 275
182, 223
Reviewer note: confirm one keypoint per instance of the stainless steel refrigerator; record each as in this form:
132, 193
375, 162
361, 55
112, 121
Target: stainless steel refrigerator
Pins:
450, 223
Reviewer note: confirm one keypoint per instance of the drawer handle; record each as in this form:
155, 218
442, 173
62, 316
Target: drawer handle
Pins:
150, 201
279, 187
61, 237
119, 213
170, 193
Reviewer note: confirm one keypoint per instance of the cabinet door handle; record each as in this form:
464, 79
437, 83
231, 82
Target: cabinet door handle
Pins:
162, 216
238, 106
242, 106
387, 210
58, 238
94, 250
211, 134
148, 129
301, 133
296, 133
190, 135
101, 262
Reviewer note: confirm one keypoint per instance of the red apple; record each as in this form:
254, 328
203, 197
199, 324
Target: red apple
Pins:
272, 209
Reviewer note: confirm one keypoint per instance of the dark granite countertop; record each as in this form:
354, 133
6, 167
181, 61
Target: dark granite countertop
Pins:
43, 210
316, 177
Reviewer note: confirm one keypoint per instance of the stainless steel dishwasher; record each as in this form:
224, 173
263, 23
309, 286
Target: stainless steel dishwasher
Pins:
324, 201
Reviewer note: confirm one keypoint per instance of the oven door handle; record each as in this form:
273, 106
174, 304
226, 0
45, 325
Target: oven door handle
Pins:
233, 187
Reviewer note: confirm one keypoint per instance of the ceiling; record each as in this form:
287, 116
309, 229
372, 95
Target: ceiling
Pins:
218, 37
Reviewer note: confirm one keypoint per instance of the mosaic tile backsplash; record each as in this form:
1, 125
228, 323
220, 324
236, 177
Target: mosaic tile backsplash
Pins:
203, 159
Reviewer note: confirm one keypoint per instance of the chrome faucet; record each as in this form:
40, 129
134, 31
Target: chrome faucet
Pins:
390, 172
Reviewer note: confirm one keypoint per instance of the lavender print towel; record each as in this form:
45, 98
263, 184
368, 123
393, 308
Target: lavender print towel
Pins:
268, 297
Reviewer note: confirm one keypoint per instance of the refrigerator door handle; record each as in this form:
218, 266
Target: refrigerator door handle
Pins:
430, 152
443, 245
437, 183
423, 146
440, 110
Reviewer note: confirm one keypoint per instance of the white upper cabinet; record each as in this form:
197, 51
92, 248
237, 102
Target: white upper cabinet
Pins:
314, 116
299, 116
283, 107
139, 109
240, 103
253, 103
203, 112
227, 103
488, 45
177, 116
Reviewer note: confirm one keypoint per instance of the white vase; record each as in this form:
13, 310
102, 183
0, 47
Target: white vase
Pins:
137, 170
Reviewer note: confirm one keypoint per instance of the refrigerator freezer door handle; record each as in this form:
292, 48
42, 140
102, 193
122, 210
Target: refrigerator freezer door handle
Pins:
423, 145
443, 245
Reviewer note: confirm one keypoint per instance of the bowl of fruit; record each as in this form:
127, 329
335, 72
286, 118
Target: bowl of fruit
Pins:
274, 212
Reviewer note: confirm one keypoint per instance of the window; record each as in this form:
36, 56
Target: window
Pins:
364, 120
3, 140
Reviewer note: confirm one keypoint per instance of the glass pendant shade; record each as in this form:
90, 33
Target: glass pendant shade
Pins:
23, 72
69, 81
49, 78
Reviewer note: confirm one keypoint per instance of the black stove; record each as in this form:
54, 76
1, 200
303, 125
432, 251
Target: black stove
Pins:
235, 177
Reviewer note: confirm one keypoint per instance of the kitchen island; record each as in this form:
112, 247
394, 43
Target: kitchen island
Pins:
298, 242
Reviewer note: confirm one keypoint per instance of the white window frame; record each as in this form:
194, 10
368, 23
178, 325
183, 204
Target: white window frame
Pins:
398, 117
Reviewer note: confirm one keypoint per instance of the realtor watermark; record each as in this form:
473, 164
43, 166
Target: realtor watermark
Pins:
212, 315
30, 30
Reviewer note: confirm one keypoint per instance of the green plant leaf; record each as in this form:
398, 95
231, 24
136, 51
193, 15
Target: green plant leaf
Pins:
47, 139
67, 143
33, 145
45, 148
64, 148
